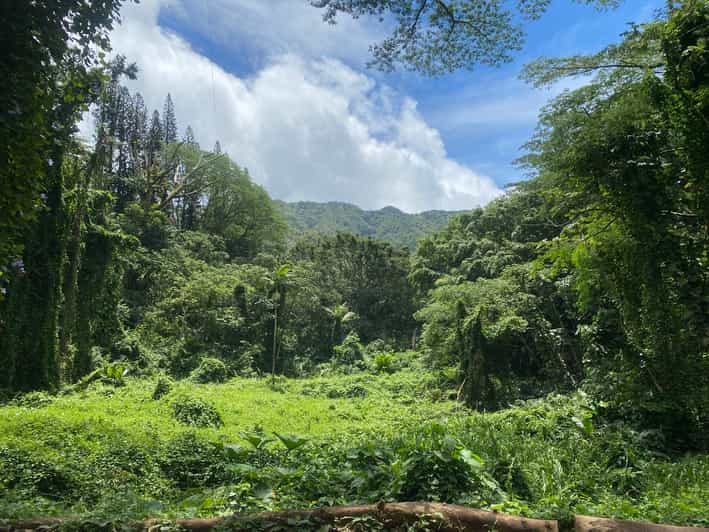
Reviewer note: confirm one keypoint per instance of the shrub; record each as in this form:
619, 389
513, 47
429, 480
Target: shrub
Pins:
350, 351
195, 412
350, 390
162, 388
210, 370
21, 470
189, 460
33, 400
377, 346
130, 347
384, 363
436, 466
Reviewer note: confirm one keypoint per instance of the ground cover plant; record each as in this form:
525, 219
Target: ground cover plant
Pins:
116, 453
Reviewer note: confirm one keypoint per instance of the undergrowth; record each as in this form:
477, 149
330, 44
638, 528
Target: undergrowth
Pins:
108, 452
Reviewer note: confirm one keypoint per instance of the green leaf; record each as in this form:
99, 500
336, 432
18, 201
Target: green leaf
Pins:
241, 469
234, 450
585, 425
471, 459
257, 440
291, 441
283, 270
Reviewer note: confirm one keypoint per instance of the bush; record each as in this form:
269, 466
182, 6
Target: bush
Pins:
210, 370
33, 400
20, 470
191, 461
436, 466
350, 351
377, 346
384, 363
130, 348
350, 391
162, 388
195, 412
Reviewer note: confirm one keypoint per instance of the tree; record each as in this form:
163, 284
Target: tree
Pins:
52, 51
340, 315
438, 36
278, 280
239, 210
189, 137
370, 275
156, 136
169, 121
626, 155
54, 69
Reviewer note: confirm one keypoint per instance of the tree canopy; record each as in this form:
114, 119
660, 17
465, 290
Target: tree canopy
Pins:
439, 36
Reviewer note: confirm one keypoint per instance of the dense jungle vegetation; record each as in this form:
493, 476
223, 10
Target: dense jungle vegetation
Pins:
399, 228
167, 349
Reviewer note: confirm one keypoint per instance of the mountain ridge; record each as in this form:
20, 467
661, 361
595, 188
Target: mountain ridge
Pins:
388, 223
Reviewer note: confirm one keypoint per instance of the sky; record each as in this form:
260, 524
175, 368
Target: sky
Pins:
290, 98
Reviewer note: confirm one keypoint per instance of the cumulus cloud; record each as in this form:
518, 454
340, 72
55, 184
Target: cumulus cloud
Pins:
266, 29
306, 128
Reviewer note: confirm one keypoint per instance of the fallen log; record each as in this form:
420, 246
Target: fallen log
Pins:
585, 523
443, 517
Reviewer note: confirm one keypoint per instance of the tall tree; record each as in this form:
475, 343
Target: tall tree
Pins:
370, 275
52, 72
156, 136
46, 43
239, 210
169, 120
340, 315
279, 284
189, 137
627, 156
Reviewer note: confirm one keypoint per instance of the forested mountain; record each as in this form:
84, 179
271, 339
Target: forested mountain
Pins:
388, 224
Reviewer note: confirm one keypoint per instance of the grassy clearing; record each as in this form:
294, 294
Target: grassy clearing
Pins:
311, 407
115, 452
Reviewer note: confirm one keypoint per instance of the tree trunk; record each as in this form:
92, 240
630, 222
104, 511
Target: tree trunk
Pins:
71, 281
391, 516
33, 307
275, 343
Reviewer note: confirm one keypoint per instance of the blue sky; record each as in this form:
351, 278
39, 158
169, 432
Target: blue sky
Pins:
291, 99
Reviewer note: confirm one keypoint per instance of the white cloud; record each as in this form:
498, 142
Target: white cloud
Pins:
307, 129
266, 29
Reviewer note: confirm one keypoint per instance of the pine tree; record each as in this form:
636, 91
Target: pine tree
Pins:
124, 107
189, 137
139, 129
169, 121
155, 137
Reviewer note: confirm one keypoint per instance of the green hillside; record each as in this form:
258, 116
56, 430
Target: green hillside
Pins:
389, 224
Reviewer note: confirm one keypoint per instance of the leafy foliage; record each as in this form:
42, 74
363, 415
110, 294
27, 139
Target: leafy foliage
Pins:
163, 386
195, 412
441, 36
388, 224
619, 156
210, 370
149, 254
99, 456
